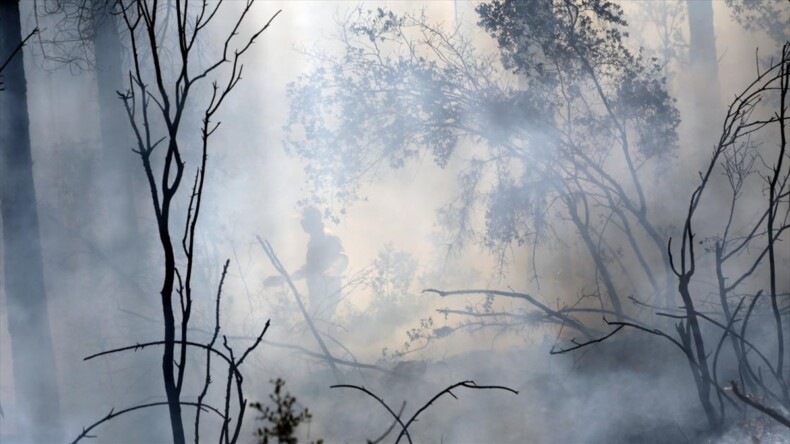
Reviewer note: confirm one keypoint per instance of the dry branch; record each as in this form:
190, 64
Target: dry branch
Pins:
114, 414
765, 409
559, 316
584, 344
446, 391
381, 401
267, 248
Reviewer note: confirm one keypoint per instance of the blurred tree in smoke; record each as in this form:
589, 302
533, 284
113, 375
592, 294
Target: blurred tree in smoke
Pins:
559, 135
391, 282
282, 418
665, 20
388, 284
769, 16
37, 411
86, 36
751, 161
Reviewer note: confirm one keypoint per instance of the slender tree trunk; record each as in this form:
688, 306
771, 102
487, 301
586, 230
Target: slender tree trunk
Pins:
600, 266
35, 380
119, 231
708, 107
702, 376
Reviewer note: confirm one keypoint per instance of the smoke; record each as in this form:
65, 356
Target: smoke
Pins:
422, 225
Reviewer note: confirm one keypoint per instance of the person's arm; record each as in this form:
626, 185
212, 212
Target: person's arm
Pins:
299, 274
275, 280
338, 266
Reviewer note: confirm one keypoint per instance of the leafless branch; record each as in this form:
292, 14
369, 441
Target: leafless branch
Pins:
765, 409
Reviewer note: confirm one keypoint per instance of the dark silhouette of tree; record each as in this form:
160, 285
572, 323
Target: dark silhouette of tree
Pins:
744, 254
35, 380
161, 94
13, 54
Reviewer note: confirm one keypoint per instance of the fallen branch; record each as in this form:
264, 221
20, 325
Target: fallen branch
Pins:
563, 318
765, 409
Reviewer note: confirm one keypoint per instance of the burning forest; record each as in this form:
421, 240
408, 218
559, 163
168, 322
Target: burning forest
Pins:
496, 221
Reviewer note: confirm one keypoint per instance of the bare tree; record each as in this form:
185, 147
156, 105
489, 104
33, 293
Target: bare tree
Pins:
161, 94
754, 164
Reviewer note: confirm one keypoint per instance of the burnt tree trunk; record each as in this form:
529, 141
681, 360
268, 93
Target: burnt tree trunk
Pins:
35, 380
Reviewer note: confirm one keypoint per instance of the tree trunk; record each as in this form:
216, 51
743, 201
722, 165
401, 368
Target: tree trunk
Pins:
119, 231
35, 380
708, 107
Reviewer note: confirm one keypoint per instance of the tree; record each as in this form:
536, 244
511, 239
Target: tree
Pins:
86, 36
283, 418
751, 155
118, 199
665, 20
161, 94
34, 366
769, 16
704, 72
573, 144
565, 151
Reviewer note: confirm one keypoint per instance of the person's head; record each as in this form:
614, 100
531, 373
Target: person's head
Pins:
311, 221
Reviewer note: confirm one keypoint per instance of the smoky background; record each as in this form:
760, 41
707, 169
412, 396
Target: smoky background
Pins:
102, 264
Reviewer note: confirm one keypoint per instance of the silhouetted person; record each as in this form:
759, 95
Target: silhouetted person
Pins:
324, 266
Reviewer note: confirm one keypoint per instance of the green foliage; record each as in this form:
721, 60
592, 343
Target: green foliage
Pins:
392, 277
561, 124
283, 417
403, 89
577, 48
770, 16
396, 104
667, 21
388, 284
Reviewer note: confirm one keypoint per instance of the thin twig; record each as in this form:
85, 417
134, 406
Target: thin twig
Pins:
584, 344
114, 414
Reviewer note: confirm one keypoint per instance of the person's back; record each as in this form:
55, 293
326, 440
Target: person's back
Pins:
324, 267
325, 264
